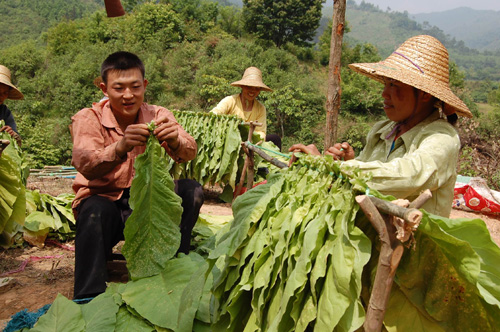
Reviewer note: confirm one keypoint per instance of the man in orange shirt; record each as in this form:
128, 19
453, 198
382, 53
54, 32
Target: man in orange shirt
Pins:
106, 140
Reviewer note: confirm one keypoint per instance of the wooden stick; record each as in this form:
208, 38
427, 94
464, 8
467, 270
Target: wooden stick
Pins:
265, 156
411, 215
421, 199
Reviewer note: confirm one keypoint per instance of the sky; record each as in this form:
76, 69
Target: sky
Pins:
428, 6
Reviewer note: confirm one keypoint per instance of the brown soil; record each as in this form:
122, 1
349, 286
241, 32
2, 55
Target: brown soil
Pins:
41, 280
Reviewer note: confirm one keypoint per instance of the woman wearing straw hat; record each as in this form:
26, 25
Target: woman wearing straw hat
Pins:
8, 91
245, 104
417, 147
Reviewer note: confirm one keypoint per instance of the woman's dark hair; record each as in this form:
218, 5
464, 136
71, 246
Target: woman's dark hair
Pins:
452, 118
121, 61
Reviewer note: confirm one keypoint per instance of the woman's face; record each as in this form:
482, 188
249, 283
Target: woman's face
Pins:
249, 92
399, 100
4, 92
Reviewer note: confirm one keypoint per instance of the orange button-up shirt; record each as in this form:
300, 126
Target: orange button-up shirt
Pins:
101, 171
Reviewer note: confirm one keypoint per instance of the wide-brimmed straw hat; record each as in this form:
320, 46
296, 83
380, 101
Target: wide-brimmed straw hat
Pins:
252, 77
422, 62
14, 92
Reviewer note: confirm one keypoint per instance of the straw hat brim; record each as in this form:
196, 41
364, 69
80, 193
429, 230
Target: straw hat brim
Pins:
14, 92
380, 70
253, 83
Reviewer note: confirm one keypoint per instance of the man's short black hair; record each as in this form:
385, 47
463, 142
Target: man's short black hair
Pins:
121, 60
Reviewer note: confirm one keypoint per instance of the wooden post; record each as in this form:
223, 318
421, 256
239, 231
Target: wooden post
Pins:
114, 8
248, 162
334, 89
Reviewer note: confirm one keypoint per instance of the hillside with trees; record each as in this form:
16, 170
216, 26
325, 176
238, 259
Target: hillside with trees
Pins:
28, 19
192, 50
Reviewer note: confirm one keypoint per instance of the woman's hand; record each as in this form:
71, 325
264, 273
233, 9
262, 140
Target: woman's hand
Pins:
340, 151
9, 130
310, 149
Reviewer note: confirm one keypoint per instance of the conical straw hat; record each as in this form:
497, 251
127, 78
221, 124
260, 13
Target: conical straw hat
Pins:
422, 62
14, 92
252, 77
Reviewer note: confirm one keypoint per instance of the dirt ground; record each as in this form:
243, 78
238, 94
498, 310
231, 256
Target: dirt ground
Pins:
32, 277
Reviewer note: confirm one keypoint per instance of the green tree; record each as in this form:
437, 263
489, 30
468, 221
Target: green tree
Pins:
283, 21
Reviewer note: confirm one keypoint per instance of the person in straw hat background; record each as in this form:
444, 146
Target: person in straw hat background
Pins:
8, 91
417, 147
245, 104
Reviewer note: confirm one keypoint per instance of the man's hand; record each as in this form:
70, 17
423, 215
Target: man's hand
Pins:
135, 135
167, 131
341, 151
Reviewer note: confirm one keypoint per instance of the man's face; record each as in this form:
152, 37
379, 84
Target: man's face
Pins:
125, 90
4, 92
399, 100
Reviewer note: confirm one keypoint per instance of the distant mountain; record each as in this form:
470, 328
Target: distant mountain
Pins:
238, 3
388, 29
479, 29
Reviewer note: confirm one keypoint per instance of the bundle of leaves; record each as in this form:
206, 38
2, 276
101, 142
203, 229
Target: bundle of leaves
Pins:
296, 250
13, 175
48, 216
219, 143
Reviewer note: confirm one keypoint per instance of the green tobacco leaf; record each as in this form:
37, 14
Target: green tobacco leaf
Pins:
158, 298
100, 313
447, 277
404, 316
128, 322
152, 234
247, 210
38, 220
63, 316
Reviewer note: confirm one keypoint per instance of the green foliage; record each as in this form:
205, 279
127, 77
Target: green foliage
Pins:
230, 20
294, 112
46, 141
283, 21
158, 22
